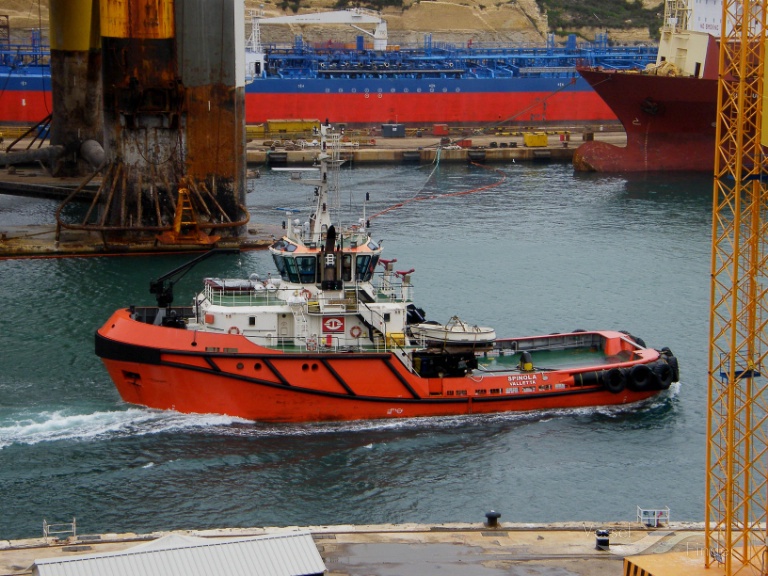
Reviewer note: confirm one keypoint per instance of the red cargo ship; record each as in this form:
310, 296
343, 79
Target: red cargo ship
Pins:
366, 85
668, 110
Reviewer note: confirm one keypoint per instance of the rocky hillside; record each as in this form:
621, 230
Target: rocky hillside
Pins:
24, 15
457, 21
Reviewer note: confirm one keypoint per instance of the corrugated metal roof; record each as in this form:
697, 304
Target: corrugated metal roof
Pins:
290, 554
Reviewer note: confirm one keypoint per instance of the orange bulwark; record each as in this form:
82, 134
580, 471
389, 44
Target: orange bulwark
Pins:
198, 372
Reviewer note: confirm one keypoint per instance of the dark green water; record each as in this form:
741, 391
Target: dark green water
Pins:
548, 250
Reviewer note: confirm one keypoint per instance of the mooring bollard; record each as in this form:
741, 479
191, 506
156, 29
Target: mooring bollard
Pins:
492, 518
602, 540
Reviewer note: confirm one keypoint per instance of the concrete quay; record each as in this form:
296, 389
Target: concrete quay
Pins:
484, 148
42, 241
561, 549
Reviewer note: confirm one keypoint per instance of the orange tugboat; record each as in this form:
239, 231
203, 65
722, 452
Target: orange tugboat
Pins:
332, 338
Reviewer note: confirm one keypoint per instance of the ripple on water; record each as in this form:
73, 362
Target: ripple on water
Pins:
547, 250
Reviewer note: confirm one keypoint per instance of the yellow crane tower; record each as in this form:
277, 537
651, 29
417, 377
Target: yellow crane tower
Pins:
737, 422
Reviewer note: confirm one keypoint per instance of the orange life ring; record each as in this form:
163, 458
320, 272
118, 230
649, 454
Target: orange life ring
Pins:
355, 332
306, 294
234, 330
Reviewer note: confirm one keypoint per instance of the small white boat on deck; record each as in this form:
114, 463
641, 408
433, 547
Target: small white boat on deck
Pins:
455, 333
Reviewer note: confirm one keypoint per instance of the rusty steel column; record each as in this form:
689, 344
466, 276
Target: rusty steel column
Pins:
143, 100
173, 118
75, 82
211, 60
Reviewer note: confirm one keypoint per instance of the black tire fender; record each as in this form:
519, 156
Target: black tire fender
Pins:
672, 362
614, 380
663, 372
641, 378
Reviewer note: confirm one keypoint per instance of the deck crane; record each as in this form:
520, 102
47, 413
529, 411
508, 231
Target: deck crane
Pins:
255, 56
737, 418
353, 17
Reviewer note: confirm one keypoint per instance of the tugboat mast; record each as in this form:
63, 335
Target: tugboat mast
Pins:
327, 186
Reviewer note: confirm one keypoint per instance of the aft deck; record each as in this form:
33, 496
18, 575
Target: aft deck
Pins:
542, 360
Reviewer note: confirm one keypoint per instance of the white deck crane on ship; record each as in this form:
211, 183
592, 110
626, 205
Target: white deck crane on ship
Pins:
255, 56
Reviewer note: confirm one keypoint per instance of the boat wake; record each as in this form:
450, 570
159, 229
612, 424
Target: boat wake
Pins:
60, 426
55, 426
465, 421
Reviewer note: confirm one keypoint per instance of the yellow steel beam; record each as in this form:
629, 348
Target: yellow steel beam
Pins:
141, 19
737, 417
70, 24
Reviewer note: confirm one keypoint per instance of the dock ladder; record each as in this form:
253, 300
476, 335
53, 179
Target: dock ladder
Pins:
301, 318
59, 528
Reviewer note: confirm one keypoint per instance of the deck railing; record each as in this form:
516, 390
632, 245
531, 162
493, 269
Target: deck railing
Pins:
59, 528
653, 517
249, 295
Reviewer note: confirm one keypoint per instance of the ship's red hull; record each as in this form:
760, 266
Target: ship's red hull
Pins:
466, 108
573, 104
669, 121
201, 372
25, 107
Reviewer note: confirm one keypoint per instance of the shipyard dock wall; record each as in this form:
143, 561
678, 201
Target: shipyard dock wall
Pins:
556, 146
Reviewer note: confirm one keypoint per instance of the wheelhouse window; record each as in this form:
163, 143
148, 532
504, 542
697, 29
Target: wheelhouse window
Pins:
299, 269
307, 266
346, 267
364, 266
280, 265
290, 266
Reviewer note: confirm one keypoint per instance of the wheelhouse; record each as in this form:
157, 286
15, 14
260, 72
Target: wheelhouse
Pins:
299, 264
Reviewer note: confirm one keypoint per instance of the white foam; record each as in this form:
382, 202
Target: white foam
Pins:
59, 425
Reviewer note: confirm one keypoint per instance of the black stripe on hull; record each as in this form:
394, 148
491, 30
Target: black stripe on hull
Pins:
111, 350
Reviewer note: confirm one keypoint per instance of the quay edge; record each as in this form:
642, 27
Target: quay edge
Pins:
469, 548
370, 156
559, 147
39, 241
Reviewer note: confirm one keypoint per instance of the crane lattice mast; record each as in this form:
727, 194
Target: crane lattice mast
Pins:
737, 422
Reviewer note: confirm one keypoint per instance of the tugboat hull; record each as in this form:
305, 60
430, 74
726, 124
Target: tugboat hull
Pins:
196, 372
